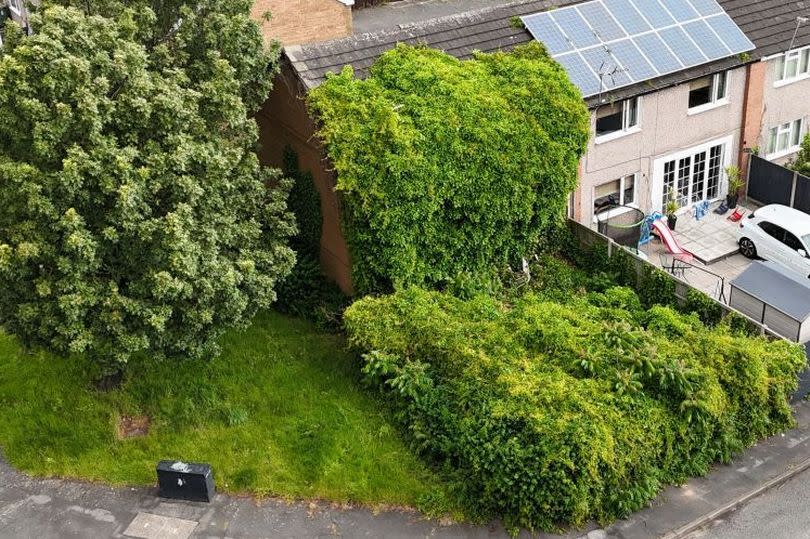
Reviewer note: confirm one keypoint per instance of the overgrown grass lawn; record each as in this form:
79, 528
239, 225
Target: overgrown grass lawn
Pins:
280, 412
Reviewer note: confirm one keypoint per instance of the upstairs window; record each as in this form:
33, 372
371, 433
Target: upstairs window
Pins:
785, 139
708, 91
618, 119
793, 65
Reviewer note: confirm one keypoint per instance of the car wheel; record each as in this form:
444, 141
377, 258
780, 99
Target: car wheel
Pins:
747, 248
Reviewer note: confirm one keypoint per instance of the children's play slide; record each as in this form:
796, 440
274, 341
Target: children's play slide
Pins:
669, 240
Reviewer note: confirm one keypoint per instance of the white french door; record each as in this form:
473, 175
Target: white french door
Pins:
692, 175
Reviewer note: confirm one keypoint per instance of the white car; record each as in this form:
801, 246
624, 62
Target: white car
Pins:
777, 233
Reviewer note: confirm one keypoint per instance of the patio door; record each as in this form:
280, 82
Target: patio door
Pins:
691, 176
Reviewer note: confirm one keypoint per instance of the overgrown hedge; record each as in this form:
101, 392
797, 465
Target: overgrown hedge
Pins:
447, 168
555, 412
653, 285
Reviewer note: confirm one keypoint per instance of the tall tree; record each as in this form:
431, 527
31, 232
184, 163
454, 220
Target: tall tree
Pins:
136, 216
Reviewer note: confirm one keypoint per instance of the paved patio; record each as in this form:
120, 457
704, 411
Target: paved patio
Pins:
712, 279
713, 242
712, 238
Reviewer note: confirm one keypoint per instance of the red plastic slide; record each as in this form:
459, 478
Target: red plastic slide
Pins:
669, 240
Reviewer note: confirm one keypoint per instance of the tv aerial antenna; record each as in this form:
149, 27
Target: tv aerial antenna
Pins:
799, 22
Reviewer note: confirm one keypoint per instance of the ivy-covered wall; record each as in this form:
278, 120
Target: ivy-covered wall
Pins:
449, 169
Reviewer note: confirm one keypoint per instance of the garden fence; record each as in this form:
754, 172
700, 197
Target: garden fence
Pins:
589, 238
769, 183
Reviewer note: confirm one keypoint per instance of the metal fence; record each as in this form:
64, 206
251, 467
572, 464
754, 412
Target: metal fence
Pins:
769, 183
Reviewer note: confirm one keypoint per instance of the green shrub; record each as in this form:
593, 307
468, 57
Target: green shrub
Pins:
709, 311
307, 292
449, 168
550, 413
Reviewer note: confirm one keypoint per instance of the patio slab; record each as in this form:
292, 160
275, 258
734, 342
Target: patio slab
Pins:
712, 238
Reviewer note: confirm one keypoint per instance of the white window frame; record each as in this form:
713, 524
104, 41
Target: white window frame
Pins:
788, 129
626, 129
657, 183
781, 62
622, 188
716, 100
15, 6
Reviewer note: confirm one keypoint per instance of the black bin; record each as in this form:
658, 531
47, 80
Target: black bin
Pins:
185, 481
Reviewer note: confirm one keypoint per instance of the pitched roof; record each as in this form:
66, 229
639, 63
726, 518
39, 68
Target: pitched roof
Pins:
485, 30
770, 24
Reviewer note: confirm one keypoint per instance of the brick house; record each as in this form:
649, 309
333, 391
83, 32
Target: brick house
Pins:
674, 131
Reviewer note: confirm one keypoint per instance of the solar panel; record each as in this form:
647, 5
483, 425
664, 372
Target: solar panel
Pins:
730, 33
637, 66
683, 47
600, 20
607, 44
546, 31
605, 65
579, 73
682, 11
575, 28
657, 51
627, 15
654, 12
707, 7
707, 40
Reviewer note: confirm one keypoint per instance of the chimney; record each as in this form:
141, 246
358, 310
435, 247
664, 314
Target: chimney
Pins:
295, 22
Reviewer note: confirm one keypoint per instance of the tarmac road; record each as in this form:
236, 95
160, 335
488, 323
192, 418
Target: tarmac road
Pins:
783, 513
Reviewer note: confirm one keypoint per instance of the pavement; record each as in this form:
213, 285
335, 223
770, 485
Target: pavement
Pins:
781, 513
713, 237
713, 242
50, 508
57, 509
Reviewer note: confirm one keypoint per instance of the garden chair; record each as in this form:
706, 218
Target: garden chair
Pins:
701, 209
736, 216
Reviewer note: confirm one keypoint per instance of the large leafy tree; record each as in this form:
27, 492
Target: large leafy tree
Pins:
135, 214
449, 170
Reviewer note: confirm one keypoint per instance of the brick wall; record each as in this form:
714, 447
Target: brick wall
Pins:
295, 22
283, 121
752, 111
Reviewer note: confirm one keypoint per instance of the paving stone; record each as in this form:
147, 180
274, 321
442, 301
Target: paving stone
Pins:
149, 526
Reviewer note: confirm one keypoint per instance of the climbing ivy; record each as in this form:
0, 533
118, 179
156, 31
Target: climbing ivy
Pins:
566, 404
305, 203
449, 168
